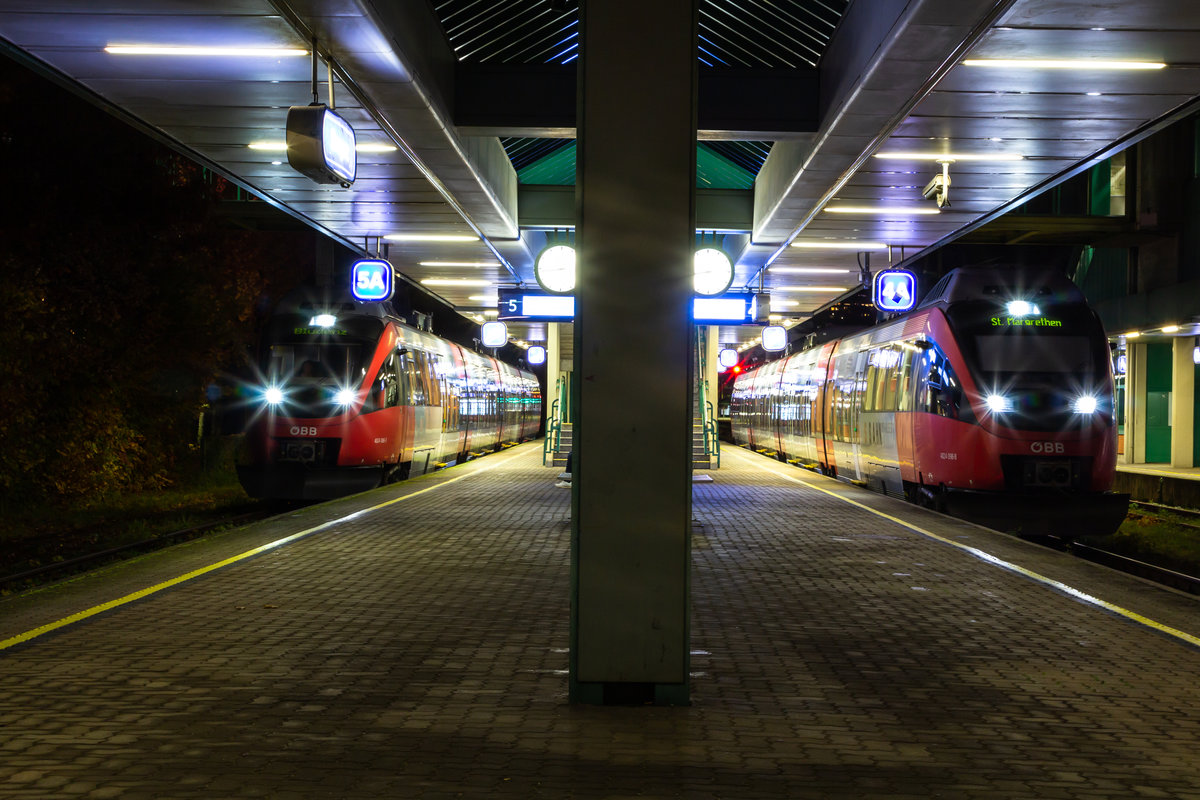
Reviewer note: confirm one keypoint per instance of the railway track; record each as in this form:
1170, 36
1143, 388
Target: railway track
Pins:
1167, 577
59, 569
1152, 572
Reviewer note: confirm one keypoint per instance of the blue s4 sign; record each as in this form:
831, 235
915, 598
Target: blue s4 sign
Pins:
371, 280
895, 290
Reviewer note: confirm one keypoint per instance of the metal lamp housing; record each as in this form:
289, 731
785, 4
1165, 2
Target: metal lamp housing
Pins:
320, 145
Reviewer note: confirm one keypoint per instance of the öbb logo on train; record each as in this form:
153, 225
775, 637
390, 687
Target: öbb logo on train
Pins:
303, 430
1047, 447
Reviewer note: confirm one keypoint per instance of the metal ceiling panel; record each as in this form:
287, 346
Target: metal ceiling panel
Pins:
891, 73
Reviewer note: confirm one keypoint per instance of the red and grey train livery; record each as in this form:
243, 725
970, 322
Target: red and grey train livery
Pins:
993, 399
351, 397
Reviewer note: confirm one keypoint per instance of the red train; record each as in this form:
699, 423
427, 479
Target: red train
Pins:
992, 400
351, 398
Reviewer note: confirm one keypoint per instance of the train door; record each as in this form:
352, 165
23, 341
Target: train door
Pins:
938, 398
853, 423
905, 402
844, 393
878, 435
823, 409
454, 399
427, 404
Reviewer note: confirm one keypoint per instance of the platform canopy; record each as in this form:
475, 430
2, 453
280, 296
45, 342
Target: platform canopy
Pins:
821, 122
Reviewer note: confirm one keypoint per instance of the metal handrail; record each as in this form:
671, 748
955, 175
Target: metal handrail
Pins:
553, 432
710, 428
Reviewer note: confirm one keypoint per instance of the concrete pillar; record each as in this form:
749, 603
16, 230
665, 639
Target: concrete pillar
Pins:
712, 347
1183, 400
1127, 455
553, 370
635, 190
1135, 392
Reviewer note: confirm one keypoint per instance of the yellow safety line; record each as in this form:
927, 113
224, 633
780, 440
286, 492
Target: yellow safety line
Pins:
991, 559
138, 595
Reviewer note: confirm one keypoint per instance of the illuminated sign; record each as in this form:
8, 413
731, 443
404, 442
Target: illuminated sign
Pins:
320, 145
1026, 322
371, 280
536, 355
512, 304
738, 308
493, 334
322, 329
774, 338
895, 290
515, 304
728, 357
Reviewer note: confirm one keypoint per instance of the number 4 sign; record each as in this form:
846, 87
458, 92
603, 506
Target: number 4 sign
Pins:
895, 290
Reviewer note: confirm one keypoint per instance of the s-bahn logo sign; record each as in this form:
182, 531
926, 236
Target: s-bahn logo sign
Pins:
895, 290
371, 280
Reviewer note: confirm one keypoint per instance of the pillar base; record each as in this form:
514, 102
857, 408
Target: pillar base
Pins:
615, 693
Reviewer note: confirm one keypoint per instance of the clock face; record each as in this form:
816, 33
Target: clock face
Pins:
555, 268
713, 271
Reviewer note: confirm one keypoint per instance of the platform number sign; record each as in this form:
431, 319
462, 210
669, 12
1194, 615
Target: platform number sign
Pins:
371, 280
895, 290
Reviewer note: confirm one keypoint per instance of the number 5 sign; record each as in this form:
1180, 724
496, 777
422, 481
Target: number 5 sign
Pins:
371, 280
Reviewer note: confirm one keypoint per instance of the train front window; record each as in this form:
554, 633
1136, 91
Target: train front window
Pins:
1024, 352
313, 373
1033, 367
315, 362
1060, 339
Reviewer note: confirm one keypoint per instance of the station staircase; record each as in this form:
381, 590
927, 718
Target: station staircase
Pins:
706, 447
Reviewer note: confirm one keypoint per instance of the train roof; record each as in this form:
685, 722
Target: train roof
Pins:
313, 300
993, 283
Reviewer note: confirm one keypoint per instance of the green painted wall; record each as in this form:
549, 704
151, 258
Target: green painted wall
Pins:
1158, 402
1196, 418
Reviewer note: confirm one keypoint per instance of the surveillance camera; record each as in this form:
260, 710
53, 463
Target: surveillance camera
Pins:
935, 186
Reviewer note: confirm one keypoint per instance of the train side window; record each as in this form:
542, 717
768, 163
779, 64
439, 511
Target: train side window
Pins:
435, 384
873, 382
938, 389
391, 381
405, 385
904, 380
414, 379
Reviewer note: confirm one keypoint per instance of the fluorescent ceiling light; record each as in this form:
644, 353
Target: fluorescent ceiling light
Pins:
809, 270
431, 237
809, 289
456, 282
1170, 328
281, 147
778, 303
457, 264
1063, 63
816, 244
171, 50
898, 210
374, 147
953, 156
483, 298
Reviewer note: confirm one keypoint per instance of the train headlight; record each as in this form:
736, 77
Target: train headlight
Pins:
1022, 308
344, 397
998, 403
1086, 404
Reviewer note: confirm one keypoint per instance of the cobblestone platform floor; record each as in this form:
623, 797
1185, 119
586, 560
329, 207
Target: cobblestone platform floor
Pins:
418, 650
